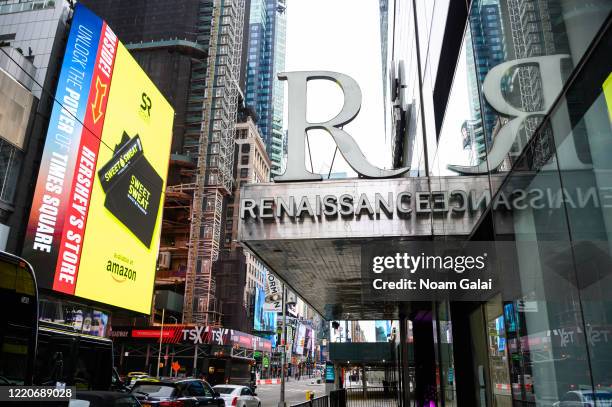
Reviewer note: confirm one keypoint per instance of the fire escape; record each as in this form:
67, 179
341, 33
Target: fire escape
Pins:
209, 137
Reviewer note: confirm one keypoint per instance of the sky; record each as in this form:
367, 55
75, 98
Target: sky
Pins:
341, 36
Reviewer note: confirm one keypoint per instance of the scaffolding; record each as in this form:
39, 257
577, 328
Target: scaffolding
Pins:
216, 85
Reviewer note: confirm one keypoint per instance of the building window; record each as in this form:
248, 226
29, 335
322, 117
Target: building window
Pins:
245, 148
244, 160
244, 172
10, 161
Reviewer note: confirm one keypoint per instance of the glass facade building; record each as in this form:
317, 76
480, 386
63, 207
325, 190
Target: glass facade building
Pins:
266, 57
518, 92
31, 45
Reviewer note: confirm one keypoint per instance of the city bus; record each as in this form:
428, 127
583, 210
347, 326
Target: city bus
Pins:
68, 357
18, 320
34, 352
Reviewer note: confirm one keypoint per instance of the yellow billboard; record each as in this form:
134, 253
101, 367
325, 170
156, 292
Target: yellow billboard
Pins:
95, 222
119, 259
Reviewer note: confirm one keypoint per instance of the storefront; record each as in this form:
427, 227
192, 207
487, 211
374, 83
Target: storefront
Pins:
217, 354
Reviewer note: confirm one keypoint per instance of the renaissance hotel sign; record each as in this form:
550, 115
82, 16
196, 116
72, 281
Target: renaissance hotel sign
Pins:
324, 238
357, 208
379, 204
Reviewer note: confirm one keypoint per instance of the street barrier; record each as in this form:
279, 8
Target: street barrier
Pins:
268, 381
337, 398
318, 402
370, 397
354, 397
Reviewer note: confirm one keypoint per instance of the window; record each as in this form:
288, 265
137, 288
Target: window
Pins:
208, 391
245, 148
155, 390
196, 389
244, 172
244, 160
10, 162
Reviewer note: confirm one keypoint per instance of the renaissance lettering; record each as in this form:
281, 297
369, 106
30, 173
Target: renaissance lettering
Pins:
405, 204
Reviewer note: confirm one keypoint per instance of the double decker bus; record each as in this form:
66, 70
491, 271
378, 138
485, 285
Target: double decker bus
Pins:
18, 320
34, 352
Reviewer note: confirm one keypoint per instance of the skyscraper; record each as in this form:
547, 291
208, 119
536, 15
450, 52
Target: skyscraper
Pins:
266, 58
485, 44
31, 45
192, 50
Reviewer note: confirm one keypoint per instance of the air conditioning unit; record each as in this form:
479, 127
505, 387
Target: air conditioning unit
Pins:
164, 260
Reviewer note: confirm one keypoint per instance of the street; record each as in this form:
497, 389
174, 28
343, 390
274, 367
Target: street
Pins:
295, 392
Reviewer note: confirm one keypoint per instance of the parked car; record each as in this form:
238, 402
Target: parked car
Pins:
237, 396
176, 392
103, 399
131, 381
585, 398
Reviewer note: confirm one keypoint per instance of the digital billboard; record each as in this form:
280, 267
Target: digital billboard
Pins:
263, 321
95, 220
299, 344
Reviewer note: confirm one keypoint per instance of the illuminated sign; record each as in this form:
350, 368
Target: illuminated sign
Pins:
330, 374
95, 220
193, 335
263, 320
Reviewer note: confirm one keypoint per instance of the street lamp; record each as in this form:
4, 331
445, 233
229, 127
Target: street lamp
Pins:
161, 334
282, 403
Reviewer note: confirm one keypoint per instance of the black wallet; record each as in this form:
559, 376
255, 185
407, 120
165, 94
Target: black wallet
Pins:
133, 188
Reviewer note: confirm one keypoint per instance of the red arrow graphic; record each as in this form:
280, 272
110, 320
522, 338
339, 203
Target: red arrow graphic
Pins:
96, 106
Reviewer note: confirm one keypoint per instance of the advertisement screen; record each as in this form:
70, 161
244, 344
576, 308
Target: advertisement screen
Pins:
300, 340
95, 220
263, 321
330, 374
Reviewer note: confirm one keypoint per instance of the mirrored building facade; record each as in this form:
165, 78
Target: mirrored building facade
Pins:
518, 92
